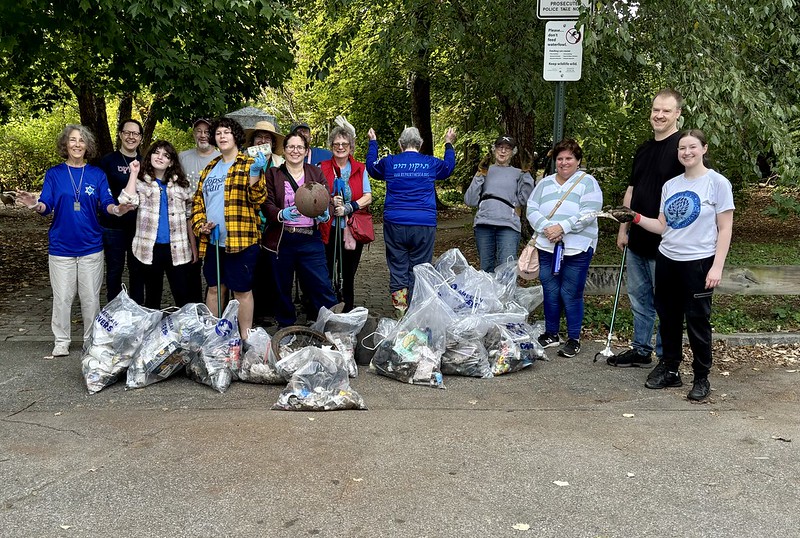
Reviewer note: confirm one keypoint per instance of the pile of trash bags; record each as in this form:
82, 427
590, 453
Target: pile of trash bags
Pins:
148, 347
461, 321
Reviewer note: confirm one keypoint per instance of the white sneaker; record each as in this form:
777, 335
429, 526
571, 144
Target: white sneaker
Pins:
61, 349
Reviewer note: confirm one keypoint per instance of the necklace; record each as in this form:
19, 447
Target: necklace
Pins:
77, 204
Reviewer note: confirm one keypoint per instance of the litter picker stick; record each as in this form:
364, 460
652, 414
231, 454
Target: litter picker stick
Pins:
607, 351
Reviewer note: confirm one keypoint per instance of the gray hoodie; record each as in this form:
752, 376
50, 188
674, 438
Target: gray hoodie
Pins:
506, 183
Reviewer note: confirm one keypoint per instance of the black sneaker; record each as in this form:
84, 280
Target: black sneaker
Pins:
700, 389
661, 378
628, 358
548, 340
571, 348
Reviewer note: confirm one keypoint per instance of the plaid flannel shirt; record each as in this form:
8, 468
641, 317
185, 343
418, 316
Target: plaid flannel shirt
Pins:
148, 198
242, 202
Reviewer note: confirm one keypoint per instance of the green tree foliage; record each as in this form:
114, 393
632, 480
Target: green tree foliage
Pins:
736, 62
190, 55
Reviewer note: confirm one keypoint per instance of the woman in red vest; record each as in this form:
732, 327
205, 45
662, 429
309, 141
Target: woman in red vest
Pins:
350, 191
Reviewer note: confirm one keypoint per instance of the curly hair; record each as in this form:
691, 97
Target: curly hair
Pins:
568, 144
174, 171
228, 123
87, 136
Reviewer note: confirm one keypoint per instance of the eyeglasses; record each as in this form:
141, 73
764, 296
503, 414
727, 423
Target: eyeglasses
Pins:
341, 144
131, 134
295, 148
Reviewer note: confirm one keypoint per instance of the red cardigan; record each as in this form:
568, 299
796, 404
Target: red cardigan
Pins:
356, 182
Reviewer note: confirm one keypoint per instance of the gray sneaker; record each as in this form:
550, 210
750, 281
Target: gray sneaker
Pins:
61, 349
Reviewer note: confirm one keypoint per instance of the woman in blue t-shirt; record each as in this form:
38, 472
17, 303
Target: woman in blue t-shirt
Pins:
161, 244
74, 192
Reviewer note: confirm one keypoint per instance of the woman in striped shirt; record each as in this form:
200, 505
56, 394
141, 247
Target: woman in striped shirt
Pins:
562, 211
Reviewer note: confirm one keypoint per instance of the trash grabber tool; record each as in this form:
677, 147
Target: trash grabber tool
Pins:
215, 239
607, 351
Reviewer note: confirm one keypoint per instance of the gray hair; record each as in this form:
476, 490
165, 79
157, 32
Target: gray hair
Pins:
410, 138
343, 132
86, 134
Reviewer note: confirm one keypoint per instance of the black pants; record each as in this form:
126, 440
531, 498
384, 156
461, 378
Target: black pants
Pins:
349, 260
681, 294
153, 276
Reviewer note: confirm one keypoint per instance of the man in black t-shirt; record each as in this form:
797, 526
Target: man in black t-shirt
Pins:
118, 231
655, 162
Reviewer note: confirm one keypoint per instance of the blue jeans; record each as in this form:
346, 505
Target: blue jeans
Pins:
304, 255
495, 245
564, 291
406, 247
641, 282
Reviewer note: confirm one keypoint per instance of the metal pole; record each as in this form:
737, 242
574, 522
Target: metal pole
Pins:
558, 118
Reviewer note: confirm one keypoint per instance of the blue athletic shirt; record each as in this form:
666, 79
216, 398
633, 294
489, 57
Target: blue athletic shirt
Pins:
410, 193
214, 194
75, 233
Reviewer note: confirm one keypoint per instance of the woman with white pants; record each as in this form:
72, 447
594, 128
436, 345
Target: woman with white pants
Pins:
74, 191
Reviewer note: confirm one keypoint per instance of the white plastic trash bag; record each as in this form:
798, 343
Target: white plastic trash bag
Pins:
117, 334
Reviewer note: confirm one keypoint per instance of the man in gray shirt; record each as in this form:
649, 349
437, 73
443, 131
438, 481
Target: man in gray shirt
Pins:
194, 162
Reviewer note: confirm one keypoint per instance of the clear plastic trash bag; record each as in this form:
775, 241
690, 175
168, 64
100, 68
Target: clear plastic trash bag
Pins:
258, 360
512, 347
342, 330
219, 357
170, 345
295, 360
412, 351
117, 334
465, 353
319, 384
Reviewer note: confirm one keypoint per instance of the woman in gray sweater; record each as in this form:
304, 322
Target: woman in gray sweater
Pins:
499, 192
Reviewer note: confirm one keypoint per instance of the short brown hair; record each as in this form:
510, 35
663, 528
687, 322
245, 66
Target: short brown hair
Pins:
568, 144
675, 94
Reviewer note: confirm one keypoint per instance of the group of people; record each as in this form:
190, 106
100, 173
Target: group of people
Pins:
165, 212
676, 221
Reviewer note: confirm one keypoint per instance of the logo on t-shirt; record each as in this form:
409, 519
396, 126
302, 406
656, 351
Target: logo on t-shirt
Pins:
682, 209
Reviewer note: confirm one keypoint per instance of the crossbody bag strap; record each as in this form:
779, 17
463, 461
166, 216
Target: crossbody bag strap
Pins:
553, 212
292, 182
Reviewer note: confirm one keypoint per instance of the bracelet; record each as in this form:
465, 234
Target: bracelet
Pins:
636, 218
115, 210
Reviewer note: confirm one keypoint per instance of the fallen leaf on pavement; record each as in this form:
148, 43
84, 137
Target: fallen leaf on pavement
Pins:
784, 439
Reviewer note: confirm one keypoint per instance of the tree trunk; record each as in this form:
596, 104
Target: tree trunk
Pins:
522, 126
92, 109
421, 110
125, 110
151, 119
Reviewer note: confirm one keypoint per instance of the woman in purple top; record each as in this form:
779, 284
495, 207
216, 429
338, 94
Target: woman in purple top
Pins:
74, 192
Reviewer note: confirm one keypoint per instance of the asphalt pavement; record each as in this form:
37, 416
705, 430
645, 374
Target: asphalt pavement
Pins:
566, 448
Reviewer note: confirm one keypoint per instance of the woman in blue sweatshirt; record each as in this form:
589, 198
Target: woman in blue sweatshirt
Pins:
409, 211
74, 192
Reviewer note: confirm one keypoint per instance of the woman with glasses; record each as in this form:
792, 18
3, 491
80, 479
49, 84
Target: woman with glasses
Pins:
74, 192
349, 186
499, 191
294, 239
161, 242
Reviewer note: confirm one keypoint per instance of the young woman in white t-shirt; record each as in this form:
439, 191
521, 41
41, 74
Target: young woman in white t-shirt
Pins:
695, 222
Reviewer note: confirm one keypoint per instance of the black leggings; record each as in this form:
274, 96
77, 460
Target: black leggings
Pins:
681, 294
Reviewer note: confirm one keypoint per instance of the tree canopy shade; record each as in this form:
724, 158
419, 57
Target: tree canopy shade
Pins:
193, 56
